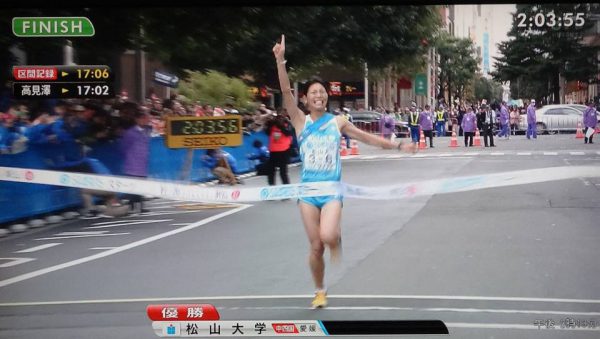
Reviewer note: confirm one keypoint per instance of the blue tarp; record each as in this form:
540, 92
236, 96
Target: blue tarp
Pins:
21, 200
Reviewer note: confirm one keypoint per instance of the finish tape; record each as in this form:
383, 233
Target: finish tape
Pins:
186, 192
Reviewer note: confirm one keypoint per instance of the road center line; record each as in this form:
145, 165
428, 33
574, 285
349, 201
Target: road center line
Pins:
46, 270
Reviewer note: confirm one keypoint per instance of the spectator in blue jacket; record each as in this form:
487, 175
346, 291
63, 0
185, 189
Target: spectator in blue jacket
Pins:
222, 165
262, 157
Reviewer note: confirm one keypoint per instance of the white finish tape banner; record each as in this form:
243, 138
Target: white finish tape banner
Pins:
190, 192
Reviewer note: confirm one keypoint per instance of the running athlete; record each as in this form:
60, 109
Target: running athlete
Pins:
319, 136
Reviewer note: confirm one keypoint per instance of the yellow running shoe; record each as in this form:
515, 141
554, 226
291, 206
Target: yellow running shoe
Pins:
320, 299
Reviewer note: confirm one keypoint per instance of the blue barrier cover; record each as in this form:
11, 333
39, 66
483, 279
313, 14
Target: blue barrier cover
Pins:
21, 200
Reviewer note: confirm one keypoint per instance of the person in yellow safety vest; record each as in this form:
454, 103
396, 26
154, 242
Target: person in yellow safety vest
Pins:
413, 123
348, 116
440, 121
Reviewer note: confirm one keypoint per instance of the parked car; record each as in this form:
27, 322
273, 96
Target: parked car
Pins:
554, 118
369, 120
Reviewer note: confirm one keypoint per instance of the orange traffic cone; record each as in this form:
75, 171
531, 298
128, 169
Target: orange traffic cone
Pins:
354, 147
453, 140
477, 139
422, 144
579, 134
343, 148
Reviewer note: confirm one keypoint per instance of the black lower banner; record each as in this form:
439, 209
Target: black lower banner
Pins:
384, 327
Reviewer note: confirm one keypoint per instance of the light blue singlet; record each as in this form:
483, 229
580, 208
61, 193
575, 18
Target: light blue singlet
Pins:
320, 155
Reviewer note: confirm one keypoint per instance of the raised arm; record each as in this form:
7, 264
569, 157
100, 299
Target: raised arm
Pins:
289, 102
346, 127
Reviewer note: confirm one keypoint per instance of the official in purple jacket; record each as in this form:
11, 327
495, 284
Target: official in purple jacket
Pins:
531, 120
504, 118
469, 125
426, 123
590, 120
135, 147
387, 125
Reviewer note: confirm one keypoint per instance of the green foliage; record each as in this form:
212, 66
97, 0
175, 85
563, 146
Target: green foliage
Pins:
489, 90
457, 63
216, 89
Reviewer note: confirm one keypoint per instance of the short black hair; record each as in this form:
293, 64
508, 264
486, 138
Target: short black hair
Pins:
313, 80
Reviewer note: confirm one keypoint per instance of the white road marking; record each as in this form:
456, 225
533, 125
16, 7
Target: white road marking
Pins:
445, 155
80, 233
129, 222
370, 157
293, 296
134, 244
112, 222
102, 248
550, 153
39, 248
514, 327
418, 155
81, 236
524, 153
395, 156
419, 309
158, 213
15, 261
497, 153
471, 153
577, 153
181, 224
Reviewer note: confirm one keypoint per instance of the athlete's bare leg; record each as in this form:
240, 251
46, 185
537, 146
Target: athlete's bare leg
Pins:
311, 217
330, 234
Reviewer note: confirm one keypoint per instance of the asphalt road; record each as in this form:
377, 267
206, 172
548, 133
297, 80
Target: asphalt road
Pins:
490, 263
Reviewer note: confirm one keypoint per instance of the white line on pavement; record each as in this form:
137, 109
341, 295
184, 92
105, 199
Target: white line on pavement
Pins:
134, 244
39, 248
445, 155
129, 222
524, 153
300, 296
181, 224
550, 153
81, 236
421, 309
496, 153
370, 157
15, 261
80, 233
471, 153
577, 153
102, 248
395, 156
514, 327
113, 222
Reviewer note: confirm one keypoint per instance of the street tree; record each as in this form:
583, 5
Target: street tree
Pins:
537, 57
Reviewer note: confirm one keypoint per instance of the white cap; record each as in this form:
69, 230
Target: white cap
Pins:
533, 100
346, 109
